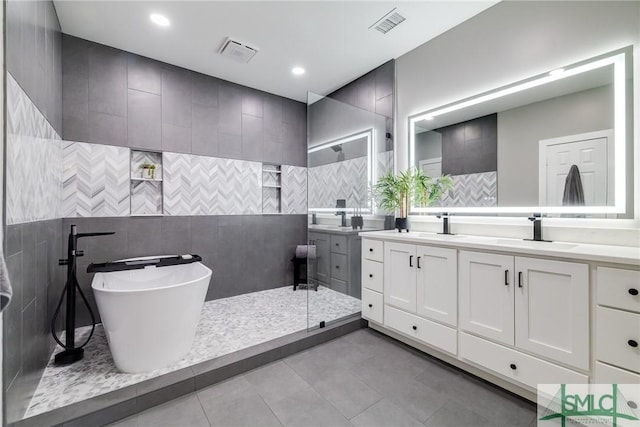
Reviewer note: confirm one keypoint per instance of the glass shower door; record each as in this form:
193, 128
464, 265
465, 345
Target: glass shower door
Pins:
345, 147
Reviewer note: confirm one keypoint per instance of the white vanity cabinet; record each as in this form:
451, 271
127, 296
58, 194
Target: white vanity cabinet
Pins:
422, 280
517, 314
372, 280
538, 305
420, 287
617, 324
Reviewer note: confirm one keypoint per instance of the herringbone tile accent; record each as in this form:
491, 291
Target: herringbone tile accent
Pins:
34, 161
177, 183
342, 180
95, 180
200, 185
294, 190
146, 198
476, 189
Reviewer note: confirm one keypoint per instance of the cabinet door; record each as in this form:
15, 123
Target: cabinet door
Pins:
486, 295
437, 284
552, 309
400, 276
322, 271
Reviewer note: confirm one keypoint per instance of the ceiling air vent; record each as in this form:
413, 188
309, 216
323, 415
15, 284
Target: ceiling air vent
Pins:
389, 21
237, 51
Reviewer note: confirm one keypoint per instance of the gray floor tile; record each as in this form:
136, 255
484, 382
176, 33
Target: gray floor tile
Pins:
307, 409
236, 403
127, 422
498, 406
383, 414
337, 354
185, 411
452, 414
346, 392
277, 380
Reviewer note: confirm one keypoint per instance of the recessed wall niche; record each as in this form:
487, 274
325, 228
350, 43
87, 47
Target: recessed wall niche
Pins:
146, 183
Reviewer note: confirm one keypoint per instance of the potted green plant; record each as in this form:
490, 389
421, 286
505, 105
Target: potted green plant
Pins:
410, 187
148, 170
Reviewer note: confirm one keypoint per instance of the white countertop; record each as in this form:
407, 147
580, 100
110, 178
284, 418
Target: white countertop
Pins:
577, 251
337, 229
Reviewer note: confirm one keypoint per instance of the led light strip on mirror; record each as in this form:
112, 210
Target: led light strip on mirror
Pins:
618, 60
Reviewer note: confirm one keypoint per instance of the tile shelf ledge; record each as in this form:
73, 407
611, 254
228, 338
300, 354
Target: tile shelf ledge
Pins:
146, 179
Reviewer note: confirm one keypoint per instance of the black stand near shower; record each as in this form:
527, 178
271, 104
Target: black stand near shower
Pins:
71, 353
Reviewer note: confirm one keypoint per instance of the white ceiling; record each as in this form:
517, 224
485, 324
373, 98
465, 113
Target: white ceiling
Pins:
330, 39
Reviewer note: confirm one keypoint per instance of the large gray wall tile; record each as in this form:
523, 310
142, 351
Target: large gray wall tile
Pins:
230, 103
252, 138
144, 120
205, 90
176, 138
107, 129
75, 108
176, 235
176, 96
29, 234
13, 36
144, 74
144, 234
107, 81
204, 130
252, 101
229, 146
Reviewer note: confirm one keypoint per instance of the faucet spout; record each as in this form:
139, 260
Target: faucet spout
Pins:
536, 218
445, 223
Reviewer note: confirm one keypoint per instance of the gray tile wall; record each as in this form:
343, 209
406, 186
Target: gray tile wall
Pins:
33, 57
470, 147
118, 98
247, 253
372, 92
32, 253
33, 54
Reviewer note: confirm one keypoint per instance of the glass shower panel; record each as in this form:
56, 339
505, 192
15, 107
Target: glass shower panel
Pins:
348, 148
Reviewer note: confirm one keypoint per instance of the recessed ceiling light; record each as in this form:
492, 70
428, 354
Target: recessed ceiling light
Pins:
160, 20
297, 71
556, 72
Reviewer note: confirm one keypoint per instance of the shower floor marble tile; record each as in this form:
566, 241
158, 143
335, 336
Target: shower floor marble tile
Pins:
226, 325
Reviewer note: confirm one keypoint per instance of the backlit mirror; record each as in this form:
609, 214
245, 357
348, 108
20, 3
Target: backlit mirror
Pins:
554, 143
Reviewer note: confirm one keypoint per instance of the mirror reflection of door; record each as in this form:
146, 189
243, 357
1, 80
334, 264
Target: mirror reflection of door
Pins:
592, 153
431, 167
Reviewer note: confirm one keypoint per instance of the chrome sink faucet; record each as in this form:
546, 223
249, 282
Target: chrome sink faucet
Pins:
445, 223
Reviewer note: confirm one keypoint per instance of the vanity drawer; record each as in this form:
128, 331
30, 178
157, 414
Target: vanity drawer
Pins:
423, 330
607, 374
618, 338
372, 249
372, 307
338, 244
517, 366
616, 288
372, 274
338, 266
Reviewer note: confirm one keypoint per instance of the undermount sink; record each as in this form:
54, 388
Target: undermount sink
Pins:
442, 236
535, 244
329, 227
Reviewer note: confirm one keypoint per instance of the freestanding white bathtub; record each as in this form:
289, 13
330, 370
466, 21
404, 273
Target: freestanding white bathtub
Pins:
150, 315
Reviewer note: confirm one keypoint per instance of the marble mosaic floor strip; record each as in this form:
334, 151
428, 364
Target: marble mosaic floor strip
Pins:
227, 325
